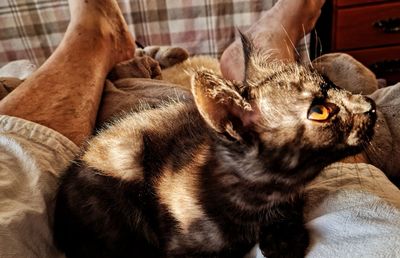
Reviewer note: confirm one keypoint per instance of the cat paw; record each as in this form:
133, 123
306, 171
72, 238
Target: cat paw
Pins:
284, 241
167, 56
138, 67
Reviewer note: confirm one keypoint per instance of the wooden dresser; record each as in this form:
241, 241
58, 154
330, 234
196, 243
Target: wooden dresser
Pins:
369, 30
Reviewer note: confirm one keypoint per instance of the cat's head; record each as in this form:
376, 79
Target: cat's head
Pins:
294, 116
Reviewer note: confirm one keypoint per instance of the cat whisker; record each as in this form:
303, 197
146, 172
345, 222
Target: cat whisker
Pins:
306, 43
317, 48
318, 43
372, 152
372, 148
291, 42
315, 44
287, 48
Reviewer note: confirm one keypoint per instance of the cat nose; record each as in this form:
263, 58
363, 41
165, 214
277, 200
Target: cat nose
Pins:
372, 106
359, 104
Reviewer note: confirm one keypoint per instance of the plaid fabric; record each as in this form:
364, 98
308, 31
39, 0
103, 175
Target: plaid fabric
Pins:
31, 29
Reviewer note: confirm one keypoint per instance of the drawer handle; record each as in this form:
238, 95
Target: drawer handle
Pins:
386, 66
391, 25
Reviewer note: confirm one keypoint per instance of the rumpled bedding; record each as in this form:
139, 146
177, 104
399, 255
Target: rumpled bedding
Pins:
352, 210
33, 158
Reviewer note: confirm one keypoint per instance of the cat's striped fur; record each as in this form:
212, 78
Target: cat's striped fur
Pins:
212, 173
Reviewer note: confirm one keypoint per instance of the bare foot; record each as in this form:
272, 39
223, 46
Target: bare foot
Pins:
103, 19
65, 92
279, 29
293, 16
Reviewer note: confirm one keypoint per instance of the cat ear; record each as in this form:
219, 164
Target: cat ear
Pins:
255, 63
247, 47
220, 103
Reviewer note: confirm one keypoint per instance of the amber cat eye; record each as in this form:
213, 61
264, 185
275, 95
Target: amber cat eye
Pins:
319, 113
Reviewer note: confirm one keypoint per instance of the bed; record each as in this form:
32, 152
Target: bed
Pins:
352, 209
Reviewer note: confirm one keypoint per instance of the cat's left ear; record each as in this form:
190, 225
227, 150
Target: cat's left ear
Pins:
255, 62
221, 104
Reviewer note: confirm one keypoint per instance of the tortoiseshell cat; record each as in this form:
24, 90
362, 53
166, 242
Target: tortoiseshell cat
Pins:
210, 174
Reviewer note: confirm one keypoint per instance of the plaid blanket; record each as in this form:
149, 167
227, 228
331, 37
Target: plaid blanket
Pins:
31, 29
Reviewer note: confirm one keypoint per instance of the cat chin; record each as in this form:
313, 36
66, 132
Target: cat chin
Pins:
354, 140
358, 140
362, 135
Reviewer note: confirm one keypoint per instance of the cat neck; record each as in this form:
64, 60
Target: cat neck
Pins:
237, 185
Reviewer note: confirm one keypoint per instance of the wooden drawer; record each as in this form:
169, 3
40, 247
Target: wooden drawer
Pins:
354, 27
384, 62
344, 3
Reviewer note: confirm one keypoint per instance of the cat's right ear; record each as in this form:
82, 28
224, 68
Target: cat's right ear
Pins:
220, 104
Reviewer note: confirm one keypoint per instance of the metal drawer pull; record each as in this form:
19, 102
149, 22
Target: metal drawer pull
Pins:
386, 66
391, 25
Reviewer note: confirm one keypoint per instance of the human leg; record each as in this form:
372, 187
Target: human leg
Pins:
64, 93
278, 30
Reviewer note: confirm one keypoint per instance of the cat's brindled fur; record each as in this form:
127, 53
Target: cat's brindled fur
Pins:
211, 173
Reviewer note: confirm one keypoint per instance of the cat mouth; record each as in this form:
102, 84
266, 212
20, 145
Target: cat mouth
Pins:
363, 128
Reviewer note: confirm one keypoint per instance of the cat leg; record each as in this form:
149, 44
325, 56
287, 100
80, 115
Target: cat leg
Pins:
286, 237
278, 30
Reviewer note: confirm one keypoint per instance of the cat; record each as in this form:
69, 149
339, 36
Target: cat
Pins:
212, 172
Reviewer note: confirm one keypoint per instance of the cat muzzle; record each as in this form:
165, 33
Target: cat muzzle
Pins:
372, 109
364, 123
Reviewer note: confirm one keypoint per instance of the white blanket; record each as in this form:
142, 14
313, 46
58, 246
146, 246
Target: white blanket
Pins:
32, 158
352, 210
